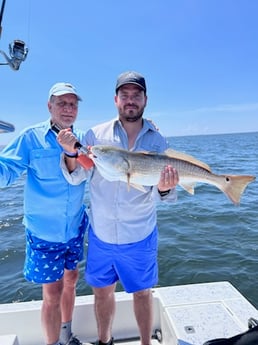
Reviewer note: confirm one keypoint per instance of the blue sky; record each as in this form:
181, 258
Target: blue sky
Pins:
199, 58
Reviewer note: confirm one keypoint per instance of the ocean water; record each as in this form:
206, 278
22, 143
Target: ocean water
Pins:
202, 237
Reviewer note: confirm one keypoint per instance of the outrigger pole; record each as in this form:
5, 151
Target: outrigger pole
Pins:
1, 15
5, 127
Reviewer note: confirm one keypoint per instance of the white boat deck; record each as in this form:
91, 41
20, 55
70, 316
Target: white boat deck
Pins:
185, 315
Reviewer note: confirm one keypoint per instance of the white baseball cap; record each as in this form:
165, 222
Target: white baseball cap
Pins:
62, 89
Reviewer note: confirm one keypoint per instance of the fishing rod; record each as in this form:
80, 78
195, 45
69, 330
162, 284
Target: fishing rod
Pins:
17, 49
82, 157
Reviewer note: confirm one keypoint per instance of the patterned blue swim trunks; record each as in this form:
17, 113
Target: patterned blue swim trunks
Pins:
45, 261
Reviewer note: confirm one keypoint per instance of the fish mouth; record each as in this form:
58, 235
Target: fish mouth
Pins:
92, 156
90, 153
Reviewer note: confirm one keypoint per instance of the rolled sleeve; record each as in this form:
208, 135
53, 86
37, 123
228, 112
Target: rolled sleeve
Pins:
77, 176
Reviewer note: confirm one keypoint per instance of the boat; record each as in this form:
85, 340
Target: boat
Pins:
188, 314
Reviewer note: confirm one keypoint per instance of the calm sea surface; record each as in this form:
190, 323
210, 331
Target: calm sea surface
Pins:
203, 238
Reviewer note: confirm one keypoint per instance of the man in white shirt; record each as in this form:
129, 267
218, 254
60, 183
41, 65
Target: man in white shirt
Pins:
122, 242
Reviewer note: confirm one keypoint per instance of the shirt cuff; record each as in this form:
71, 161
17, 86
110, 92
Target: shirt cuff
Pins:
169, 197
77, 176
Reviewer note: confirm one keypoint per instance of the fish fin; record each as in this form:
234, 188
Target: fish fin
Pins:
138, 186
188, 186
184, 156
235, 185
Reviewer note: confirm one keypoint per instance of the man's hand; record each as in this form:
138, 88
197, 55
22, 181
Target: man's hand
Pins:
168, 179
67, 140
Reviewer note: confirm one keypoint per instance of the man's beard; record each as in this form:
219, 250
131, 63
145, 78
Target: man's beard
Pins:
132, 117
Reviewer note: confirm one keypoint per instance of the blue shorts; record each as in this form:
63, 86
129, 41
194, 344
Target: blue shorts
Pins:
45, 261
134, 265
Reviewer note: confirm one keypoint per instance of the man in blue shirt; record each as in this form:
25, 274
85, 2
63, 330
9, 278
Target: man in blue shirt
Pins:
54, 215
123, 234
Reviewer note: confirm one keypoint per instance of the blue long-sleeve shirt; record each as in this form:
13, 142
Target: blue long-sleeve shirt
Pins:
53, 208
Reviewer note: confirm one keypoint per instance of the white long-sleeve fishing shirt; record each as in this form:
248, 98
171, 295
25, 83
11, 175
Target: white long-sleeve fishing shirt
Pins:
119, 215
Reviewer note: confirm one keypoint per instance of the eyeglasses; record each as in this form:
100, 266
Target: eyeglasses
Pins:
64, 104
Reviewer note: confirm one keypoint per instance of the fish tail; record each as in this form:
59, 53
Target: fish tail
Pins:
235, 185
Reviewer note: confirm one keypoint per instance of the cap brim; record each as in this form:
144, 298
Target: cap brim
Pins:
131, 82
60, 93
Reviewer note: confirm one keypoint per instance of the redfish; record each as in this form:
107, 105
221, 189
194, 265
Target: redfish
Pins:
139, 169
